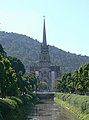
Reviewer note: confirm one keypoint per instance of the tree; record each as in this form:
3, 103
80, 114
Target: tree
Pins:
11, 75
32, 80
17, 65
12, 88
7, 77
2, 52
78, 82
42, 85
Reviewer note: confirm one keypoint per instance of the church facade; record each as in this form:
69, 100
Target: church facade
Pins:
45, 71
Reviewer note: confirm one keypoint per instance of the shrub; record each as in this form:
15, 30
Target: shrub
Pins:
79, 101
16, 99
14, 108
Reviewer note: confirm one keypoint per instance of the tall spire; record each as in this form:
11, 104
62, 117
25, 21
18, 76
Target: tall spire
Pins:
44, 35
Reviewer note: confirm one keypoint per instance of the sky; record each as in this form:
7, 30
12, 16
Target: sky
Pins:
67, 22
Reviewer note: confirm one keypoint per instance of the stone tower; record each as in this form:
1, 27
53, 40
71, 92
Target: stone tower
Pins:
45, 71
44, 58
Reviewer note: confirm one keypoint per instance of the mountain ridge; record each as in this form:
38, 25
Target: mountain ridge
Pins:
27, 50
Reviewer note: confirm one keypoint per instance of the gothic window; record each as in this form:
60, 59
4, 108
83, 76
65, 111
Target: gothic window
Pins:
44, 57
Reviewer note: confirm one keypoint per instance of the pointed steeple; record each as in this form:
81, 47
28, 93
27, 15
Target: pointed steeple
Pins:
44, 35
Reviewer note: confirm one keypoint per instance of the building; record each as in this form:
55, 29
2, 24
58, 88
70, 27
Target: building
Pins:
45, 71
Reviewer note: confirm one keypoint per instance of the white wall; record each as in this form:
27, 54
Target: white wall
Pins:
37, 73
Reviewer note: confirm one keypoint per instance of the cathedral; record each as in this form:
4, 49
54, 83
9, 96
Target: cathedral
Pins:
45, 71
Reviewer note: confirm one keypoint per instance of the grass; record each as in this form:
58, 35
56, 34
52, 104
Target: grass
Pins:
77, 104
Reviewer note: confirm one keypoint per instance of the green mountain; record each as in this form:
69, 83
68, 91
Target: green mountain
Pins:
27, 50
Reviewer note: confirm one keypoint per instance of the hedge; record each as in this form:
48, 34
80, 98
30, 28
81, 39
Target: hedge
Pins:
14, 108
79, 102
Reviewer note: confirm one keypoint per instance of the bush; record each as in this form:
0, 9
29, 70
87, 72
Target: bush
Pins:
16, 99
79, 101
14, 108
7, 106
1, 118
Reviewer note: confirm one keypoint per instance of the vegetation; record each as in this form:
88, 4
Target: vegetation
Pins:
14, 107
77, 104
17, 65
27, 50
14, 85
32, 80
77, 82
12, 79
42, 85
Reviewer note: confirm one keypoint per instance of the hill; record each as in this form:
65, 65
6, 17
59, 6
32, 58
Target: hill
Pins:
27, 50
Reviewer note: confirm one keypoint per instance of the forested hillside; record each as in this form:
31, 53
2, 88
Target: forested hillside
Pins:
27, 50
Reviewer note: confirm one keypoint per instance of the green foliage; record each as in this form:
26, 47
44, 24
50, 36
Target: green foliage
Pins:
1, 118
79, 101
7, 77
42, 85
32, 81
2, 50
69, 105
12, 81
17, 99
78, 104
14, 108
77, 82
8, 104
17, 65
